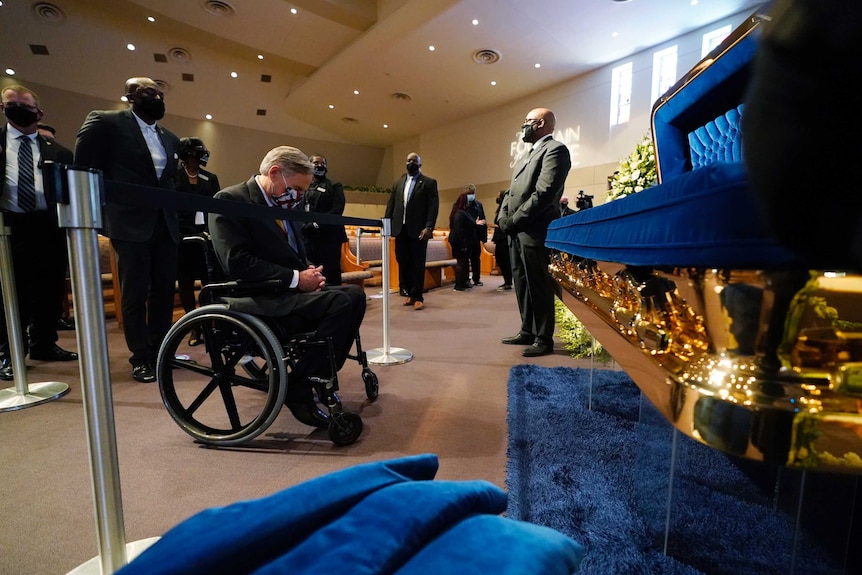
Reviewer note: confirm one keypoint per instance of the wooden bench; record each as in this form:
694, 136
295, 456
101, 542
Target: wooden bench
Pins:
439, 264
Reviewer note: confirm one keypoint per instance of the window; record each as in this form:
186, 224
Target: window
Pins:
713, 39
621, 94
663, 71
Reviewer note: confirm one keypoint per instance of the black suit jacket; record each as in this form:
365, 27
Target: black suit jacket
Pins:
533, 201
252, 249
324, 197
112, 142
49, 149
421, 208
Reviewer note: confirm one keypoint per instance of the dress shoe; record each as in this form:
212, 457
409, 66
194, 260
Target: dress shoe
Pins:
308, 413
417, 305
53, 353
538, 349
65, 324
519, 339
409, 301
504, 287
460, 288
195, 337
143, 372
403, 292
6, 369
477, 283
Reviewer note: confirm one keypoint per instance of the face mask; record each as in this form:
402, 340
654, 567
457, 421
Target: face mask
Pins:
20, 116
154, 108
319, 171
412, 169
528, 130
471, 197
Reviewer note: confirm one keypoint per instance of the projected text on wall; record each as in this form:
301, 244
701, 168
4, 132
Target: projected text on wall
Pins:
571, 137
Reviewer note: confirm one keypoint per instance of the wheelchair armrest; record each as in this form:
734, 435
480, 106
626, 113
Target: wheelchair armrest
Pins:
213, 293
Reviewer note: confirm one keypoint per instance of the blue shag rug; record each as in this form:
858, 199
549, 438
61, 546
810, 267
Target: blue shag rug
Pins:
601, 477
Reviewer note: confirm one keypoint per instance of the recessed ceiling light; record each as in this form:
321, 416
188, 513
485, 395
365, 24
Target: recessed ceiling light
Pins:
9, 71
431, 48
123, 99
537, 65
293, 11
385, 125
614, 34
694, 2
475, 22
493, 82
233, 74
150, 19
209, 116
130, 47
356, 92
260, 56
331, 107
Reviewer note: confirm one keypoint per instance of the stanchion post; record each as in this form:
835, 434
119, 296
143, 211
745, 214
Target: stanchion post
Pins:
22, 394
80, 212
387, 355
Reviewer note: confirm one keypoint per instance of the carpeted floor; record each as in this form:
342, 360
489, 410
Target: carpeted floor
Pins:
601, 476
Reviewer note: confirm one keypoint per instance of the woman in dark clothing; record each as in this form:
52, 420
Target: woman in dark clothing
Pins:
462, 237
191, 262
501, 248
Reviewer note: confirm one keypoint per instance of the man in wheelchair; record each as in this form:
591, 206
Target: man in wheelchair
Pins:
256, 250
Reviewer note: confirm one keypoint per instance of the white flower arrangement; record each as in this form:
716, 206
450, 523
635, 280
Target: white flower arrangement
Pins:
637, 172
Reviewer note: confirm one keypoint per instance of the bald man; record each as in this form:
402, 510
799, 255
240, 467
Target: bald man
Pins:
130, 146
532, 204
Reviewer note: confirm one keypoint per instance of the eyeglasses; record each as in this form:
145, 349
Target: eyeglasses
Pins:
20, 105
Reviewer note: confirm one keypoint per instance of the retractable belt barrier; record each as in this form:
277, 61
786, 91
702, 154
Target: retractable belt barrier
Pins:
79, 195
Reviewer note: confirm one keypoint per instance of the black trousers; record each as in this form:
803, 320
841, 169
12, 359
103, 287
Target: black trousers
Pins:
148, 274
335, 312
534, 287
410, 253
39, 262
326, 253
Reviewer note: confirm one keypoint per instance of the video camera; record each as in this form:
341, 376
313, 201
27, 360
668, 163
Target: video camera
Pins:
584, 202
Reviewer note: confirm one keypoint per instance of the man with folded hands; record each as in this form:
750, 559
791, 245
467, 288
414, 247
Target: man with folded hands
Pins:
256, 250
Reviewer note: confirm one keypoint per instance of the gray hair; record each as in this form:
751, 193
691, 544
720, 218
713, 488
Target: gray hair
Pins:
288, 158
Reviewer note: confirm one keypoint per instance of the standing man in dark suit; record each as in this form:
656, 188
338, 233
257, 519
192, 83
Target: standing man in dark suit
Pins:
129, 146
256, 250
477, 211
323, 241
38, 244
531, 205
412, 208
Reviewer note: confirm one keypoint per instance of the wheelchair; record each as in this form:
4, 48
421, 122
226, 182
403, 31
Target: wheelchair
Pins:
230, 388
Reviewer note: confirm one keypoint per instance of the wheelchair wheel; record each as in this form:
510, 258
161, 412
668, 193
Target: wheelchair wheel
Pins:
344, 428
372, 386
228, 390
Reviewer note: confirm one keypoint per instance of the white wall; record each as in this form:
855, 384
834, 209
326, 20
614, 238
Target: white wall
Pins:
478, 150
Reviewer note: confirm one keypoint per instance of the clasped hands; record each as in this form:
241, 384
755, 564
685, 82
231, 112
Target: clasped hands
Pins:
506, 224
311, 279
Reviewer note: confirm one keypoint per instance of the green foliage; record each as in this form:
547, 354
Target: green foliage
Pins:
575, 336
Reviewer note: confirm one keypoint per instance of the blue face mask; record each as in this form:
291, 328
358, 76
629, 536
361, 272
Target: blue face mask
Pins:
471, 197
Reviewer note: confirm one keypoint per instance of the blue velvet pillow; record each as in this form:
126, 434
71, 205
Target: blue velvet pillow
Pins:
378, 518
246, 535
388, 527
497, 546
705, 218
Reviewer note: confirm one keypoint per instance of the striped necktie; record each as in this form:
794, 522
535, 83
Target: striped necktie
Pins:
26, 176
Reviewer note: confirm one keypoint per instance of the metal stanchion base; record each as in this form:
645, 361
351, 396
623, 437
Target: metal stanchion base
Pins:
37, 393
94, 565
395, 356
